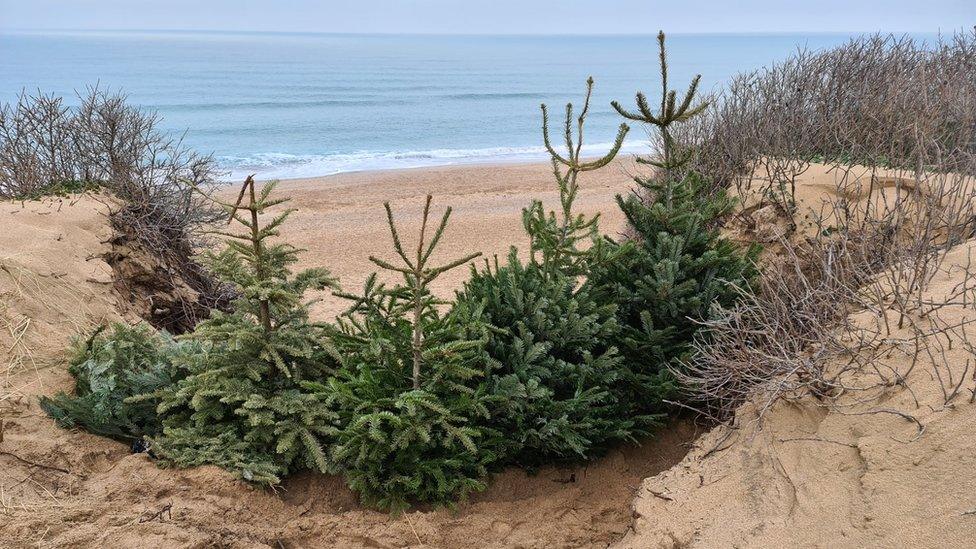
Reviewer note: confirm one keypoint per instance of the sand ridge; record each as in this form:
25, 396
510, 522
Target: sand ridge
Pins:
852, 474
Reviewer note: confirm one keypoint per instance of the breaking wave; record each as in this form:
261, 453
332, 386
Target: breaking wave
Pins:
289, 166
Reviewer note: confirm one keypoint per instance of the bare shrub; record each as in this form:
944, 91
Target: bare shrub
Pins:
895, 122
47, 147
842, 299
880, 100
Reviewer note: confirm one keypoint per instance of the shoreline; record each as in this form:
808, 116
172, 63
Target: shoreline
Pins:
474, 164
465, 164
626, 154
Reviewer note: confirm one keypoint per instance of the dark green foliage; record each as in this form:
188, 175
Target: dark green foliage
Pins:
677, 266
410, 398
556, 387
241, 405
110, 368
669, 277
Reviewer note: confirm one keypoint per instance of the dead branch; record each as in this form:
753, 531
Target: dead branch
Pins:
35, 464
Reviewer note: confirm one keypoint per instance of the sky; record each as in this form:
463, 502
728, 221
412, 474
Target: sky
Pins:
492, 16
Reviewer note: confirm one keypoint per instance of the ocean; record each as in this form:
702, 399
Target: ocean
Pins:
296, 105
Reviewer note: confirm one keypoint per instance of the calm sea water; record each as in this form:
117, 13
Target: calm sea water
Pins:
292, 105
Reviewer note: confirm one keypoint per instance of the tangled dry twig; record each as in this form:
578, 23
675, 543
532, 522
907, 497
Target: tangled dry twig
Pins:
105, 143
854, 287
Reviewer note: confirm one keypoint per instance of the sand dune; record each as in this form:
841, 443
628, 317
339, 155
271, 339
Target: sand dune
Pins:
856, 474
809, 477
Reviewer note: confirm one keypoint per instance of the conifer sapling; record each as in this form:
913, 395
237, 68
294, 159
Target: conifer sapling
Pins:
677, 266
555, 389
558, 239
241, 405
410, 400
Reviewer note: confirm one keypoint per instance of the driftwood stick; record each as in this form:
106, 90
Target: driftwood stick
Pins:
166, 510
34, 463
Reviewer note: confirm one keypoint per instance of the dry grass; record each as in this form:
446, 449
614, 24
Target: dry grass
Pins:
31, 306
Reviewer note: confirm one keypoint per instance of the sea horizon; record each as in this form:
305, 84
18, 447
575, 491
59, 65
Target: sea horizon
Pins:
307, 104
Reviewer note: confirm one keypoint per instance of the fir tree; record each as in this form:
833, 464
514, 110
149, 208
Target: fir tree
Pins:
677, 267
559, 242
109, 369
241, 405
410, 398
555, 388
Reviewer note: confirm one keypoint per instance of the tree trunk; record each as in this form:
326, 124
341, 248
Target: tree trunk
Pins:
265, 311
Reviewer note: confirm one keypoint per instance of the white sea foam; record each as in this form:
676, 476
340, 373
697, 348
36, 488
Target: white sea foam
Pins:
288, 166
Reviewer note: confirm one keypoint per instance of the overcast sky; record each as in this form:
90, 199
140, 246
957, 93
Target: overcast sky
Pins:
493, 16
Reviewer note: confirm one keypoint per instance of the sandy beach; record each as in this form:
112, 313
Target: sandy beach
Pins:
341, 222
781, 487
779, 353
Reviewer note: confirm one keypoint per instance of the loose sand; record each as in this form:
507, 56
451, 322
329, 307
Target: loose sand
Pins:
61, 488
856, 474
341, 222
811, 477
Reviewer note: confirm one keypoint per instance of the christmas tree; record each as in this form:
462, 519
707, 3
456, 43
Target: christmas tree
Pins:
111, 368
410, 399
242, 404
677, 266
554, 391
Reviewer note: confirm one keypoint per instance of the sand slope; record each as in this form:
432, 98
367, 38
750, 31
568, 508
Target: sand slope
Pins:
851, 473
59, 488
810, 477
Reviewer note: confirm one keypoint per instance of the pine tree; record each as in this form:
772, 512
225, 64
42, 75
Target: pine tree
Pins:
109, 369
677, 267
410, 399
554, 389
559, 242
242, 405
